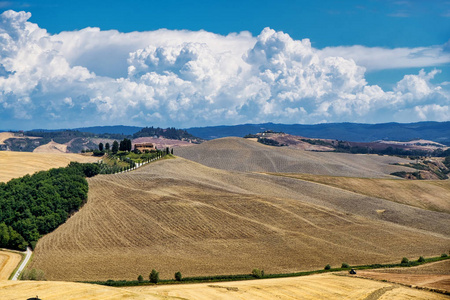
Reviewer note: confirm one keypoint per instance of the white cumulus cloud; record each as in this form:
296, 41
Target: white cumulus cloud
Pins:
186, 78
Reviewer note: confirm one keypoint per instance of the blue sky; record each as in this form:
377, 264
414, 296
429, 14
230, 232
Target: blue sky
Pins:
400, 50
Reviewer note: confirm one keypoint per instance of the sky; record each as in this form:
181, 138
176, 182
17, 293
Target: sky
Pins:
67, 64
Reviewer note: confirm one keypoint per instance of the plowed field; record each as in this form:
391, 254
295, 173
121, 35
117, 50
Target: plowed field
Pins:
427, 194
432, 276
239, 154
177, 215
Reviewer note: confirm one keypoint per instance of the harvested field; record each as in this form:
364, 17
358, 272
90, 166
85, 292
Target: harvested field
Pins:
8, 262
17, 164
51, 147
432, 276
239, 154
177, 215
49, 290
310, 287
429, 194
5, 135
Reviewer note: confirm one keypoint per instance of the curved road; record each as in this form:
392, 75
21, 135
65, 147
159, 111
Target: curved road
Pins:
23, 264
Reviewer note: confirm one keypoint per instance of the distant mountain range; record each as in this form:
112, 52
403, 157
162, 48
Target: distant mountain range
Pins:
354, 132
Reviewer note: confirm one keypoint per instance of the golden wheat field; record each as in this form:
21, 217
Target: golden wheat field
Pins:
238, 154
8, 262
310, 287
177, 215
429, 194
17, 164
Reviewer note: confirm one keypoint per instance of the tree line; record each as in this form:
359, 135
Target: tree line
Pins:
34, 205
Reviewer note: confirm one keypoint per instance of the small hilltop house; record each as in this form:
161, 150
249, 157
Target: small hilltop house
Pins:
144, 147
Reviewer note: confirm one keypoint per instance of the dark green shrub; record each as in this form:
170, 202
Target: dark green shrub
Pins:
327, 267
421, 259
154, 276
178, 276
345, 266
257, 273
140, 278
405, 261
444, 255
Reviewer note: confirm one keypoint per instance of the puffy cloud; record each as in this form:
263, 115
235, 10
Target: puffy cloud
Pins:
185, 78
377, 58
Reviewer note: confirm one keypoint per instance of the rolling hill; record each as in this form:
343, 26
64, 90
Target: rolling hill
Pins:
178, 215
354, 132
17, 164
237, 154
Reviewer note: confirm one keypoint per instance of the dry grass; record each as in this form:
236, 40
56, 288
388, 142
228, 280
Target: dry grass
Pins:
64, 290
239, 154
430, 194
176, 215
310, 287
5, 135
51, 147
8, 262
17, 164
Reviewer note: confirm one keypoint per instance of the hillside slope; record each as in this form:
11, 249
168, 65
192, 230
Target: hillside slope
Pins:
239, 154
177, 215
427, 194
17, 164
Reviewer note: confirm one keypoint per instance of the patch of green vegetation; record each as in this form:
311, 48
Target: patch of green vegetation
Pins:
216, 278
316, 142
32, 206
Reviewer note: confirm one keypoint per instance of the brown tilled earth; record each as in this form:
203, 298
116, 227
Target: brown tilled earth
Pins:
238, 154
427, 194
17, 164
177, 215
431, 276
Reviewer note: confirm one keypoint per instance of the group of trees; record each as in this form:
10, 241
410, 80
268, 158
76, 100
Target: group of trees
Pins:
154, 277
32, 206
124, 145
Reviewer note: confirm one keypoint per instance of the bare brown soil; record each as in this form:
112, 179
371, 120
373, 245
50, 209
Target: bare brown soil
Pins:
239, 154
8, 262
17, 164
431, 276
176, 215
432, 195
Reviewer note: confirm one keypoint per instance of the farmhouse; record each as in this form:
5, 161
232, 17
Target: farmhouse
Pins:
144, 146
